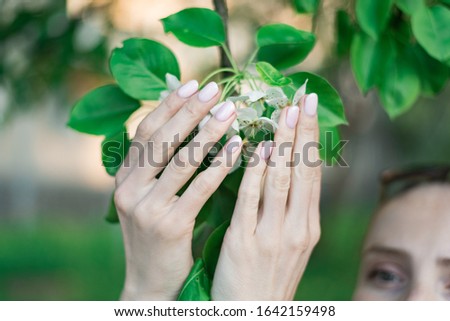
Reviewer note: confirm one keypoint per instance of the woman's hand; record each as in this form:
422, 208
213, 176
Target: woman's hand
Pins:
275, 224
156, 224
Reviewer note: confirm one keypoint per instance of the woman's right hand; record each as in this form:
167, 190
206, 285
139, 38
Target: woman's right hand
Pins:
275, 224
157, 225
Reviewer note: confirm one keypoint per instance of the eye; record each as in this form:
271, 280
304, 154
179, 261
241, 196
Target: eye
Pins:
387, 277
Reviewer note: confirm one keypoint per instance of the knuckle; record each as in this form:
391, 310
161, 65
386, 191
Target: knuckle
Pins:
315, 235
298, 244
144, 215
308, 128
145, 129
281, 181
202, 185
179, 164
190, 109
172, 103
250, 199
210, 132
310, 172
122, 200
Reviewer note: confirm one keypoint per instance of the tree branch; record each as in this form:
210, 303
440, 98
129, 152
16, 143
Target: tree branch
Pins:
221, 8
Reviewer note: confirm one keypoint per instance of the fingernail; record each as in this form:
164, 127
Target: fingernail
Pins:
266, 149
208, 92
225, 111
188, 89
310, 107
233, 144
292, 116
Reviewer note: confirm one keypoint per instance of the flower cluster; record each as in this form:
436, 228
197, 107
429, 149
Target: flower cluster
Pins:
257, 111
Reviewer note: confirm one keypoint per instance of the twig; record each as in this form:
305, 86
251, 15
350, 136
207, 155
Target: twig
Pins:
221, 7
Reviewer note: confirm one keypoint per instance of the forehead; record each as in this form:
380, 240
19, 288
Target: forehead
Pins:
418, 220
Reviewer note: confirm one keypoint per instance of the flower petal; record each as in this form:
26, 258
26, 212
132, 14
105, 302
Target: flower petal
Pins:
299, 93
255, 95
172, 82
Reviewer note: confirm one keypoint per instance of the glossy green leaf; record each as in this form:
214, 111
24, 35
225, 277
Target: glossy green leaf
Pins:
366, 57
306, 6
433, 74
198, 27
114, 151
270, 75
332, 145
111, 215
330, 109
410, 6
212, 247
282, 45
102, 111
197, 286
140, 67
345, 32
400, 87
431, 27
373, 15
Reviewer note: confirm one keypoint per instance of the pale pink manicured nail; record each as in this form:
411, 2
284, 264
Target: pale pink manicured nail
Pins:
188, 89
208, 92
292, 116
233, 144
225, 111
266, 149
311, 104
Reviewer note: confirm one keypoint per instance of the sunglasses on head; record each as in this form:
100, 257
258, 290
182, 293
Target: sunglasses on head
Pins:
395, 182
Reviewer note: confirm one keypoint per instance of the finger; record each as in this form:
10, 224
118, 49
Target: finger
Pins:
278, 174
245, 214
307, 169
166, 139
206, 183
188, 159
153, 121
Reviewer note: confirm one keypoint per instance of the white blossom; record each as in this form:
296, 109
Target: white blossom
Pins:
172, 83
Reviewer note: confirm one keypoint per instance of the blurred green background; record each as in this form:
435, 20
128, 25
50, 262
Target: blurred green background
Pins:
54, 192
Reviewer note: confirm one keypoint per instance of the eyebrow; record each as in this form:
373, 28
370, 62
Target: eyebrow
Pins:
379, 249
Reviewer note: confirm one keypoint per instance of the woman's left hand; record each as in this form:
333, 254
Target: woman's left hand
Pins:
275, 225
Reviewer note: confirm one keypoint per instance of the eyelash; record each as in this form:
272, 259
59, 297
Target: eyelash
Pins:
378, 277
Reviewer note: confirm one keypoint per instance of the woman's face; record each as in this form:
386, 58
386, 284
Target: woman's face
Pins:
406, 255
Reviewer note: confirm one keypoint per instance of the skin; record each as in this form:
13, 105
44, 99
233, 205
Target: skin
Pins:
275, 225
406, 255
157, 224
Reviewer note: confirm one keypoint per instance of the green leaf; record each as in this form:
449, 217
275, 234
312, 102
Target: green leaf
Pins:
366, 57
114, 151
282, 45
330, 139
102, 111
197, 286
410, 6
431, 27
212, 248
112, 216
345, 32
270, 75
306, 6
198, 27
433, 74
373, 15
401, 85
330, 109
140, 66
